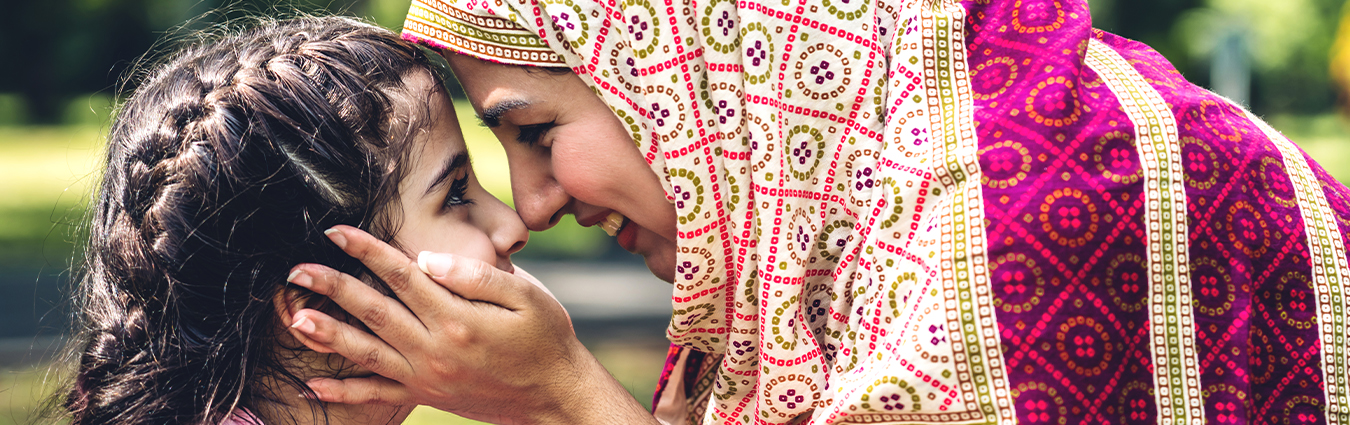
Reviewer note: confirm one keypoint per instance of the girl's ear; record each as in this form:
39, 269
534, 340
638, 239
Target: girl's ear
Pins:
291, 299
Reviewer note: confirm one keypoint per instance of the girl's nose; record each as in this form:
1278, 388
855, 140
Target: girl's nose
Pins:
507, 231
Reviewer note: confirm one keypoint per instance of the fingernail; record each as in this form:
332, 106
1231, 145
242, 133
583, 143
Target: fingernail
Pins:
299, 277
337, 237
304, 325
422, 261
434, 264
313, 393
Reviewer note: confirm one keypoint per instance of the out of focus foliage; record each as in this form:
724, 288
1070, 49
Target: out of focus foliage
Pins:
1340, 55
1288, 43
58, 52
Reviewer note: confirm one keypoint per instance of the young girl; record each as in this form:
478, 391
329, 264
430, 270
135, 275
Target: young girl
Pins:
224, 169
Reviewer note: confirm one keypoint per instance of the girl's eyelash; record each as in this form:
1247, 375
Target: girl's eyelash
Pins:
530, 134
457, 195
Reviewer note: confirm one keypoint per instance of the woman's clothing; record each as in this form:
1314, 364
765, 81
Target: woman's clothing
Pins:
242, 416
940, 212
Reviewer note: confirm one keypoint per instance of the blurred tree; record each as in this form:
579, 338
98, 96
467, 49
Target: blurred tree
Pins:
388, 13
1340, 58
62, 49
1148, 21
1287, 43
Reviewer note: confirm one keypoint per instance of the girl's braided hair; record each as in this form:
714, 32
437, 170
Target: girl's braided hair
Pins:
224, 167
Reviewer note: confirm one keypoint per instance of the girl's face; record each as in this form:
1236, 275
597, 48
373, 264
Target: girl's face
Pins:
443, 207
569, 154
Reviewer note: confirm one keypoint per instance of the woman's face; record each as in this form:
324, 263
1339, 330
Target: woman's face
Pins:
569, 154
443, 207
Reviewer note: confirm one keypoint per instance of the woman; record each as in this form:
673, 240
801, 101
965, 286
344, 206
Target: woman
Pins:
222, 170
917, 212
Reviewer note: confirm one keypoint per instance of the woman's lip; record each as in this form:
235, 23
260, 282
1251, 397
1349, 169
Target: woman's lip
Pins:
594, 219
627, 236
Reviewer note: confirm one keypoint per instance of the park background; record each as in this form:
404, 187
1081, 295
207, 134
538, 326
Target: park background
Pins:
64, 60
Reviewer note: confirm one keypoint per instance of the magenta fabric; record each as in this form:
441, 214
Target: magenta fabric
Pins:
1071, 318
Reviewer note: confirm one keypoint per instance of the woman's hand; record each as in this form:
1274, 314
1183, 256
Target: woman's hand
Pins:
467, 338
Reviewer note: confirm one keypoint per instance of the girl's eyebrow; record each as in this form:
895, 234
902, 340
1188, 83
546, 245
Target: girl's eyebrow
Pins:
492, 115
456, 163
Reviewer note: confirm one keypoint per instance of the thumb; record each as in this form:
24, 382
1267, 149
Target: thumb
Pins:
473, 279
521, 273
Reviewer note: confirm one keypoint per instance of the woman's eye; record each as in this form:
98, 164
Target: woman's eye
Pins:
533, 134
457, 196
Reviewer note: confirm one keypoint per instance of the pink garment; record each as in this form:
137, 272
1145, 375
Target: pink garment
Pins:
242, 416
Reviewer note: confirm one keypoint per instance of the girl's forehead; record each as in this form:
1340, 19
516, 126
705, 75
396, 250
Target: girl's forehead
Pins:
419, 104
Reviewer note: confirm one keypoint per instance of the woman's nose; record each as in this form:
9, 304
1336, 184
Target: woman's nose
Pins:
540, 202
540, 199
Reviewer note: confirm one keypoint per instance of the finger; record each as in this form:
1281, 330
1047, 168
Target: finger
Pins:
301, 330
322, 333
398, 272
372, 390
383, 315
476, 280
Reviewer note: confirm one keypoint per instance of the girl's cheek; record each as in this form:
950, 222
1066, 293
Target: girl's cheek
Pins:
450, 234
477, 242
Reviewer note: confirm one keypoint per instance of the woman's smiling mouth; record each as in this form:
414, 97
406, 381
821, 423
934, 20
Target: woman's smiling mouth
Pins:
617, 225
612, 223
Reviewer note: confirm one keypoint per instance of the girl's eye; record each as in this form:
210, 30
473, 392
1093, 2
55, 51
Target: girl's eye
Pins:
457, 196
532, 135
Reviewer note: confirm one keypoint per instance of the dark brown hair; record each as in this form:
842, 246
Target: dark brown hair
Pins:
223, 169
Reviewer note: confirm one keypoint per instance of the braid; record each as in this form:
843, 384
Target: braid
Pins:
223, 167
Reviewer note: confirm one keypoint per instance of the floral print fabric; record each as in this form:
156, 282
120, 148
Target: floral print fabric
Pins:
954, 212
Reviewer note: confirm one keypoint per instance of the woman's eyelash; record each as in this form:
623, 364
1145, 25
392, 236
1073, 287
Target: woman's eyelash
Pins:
457, 196
531, 134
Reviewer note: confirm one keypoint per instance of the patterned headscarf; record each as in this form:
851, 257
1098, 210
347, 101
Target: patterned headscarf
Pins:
862, 185
470, 28
769, 184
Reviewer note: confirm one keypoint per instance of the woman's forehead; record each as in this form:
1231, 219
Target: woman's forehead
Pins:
483, 79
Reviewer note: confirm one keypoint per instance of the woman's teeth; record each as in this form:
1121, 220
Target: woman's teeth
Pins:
611, 223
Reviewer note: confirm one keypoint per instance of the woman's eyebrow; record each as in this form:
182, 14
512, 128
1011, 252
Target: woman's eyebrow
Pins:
492, 115
456, 163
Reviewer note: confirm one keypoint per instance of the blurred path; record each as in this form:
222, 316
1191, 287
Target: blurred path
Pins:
610, 303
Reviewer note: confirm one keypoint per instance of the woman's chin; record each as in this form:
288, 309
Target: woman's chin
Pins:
657, 251
661, 263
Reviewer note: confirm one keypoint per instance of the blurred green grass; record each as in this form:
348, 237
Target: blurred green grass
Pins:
45, 176
22, 392
637, 366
